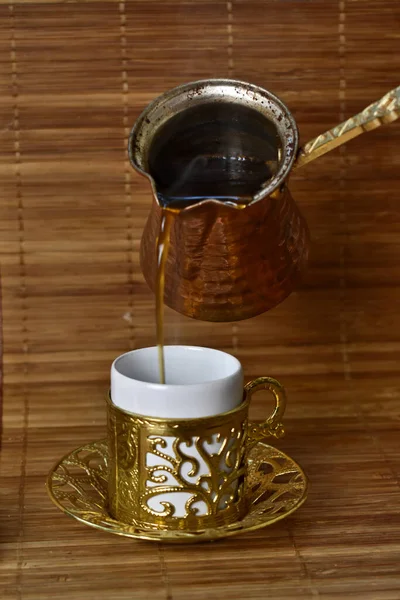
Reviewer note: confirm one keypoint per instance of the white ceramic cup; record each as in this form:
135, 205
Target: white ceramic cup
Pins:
200, 382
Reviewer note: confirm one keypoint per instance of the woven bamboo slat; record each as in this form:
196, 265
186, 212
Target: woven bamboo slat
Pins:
73, 78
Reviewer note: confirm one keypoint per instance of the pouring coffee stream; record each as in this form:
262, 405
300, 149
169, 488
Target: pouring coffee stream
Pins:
210, 148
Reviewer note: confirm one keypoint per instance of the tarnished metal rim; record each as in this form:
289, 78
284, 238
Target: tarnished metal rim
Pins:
177, 99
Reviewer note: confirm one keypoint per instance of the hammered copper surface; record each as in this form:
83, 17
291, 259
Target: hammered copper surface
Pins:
227, 264
221, 285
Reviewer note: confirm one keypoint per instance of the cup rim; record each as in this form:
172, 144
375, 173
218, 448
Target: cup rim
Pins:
180, 386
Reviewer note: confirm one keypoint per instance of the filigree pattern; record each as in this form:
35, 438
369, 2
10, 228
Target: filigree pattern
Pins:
164, 473
217, 489
276, 486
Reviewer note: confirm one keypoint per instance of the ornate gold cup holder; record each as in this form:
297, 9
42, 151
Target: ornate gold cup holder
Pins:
276, 486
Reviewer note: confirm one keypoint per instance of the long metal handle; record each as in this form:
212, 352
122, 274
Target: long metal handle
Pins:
385, 110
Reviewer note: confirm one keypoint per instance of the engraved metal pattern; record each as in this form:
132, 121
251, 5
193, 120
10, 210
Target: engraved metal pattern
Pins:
385, 110
123, 474
276, 486
199, 462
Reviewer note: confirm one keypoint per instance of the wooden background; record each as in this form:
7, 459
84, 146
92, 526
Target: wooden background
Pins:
73, 78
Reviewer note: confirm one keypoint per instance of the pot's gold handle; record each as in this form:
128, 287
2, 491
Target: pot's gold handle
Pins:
385, 110
273, 425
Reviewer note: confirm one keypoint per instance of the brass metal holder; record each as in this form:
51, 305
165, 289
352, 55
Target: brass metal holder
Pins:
177, 473
185, 474
276, 486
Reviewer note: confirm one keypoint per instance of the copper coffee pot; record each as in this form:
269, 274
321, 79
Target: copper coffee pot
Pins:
222, 151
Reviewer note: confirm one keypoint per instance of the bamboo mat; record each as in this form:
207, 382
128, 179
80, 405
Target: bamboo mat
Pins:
74, 76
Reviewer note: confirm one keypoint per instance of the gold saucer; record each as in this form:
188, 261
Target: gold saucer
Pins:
77, 484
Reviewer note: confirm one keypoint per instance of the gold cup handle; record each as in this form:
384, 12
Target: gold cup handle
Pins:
273, 424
